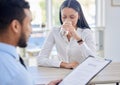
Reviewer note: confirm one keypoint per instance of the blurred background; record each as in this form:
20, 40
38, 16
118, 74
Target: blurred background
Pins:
103, 17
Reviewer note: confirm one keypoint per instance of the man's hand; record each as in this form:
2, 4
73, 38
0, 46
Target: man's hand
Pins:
55, 82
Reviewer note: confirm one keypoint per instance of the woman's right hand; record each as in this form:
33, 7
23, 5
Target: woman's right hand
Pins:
55, 82
70, 65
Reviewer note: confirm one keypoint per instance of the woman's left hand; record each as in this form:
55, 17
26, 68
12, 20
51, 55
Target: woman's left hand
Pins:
71, 30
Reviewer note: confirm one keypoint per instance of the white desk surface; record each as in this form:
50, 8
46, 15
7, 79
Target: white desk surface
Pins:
43, 75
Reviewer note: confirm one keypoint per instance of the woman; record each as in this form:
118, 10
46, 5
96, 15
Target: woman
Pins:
73, 39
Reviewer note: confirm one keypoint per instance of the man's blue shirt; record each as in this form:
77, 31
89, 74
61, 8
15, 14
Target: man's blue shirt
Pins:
12, 72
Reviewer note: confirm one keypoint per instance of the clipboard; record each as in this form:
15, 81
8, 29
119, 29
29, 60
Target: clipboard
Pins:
86, 71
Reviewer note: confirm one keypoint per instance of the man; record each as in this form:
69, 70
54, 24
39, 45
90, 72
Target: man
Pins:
15, 29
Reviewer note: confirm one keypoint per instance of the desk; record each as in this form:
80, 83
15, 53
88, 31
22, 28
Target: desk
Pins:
110, 74
43, 75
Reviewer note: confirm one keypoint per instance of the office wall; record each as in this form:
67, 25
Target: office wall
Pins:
112, 31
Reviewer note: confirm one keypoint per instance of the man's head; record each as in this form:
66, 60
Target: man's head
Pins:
15, 22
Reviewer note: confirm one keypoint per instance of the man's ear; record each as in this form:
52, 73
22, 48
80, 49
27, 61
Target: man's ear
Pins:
15, 26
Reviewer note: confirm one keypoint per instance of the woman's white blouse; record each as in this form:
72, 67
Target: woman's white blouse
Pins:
67, 51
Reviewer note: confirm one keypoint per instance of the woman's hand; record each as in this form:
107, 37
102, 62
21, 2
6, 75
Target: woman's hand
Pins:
55, 82
70, 65
67, 25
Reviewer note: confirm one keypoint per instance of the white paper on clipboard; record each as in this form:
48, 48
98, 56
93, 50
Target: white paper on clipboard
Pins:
85, 71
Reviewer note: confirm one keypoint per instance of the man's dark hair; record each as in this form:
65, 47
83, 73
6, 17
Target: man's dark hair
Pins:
10, 10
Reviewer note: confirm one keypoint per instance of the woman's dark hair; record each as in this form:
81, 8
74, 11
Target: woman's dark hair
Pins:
10, 10
82, 23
